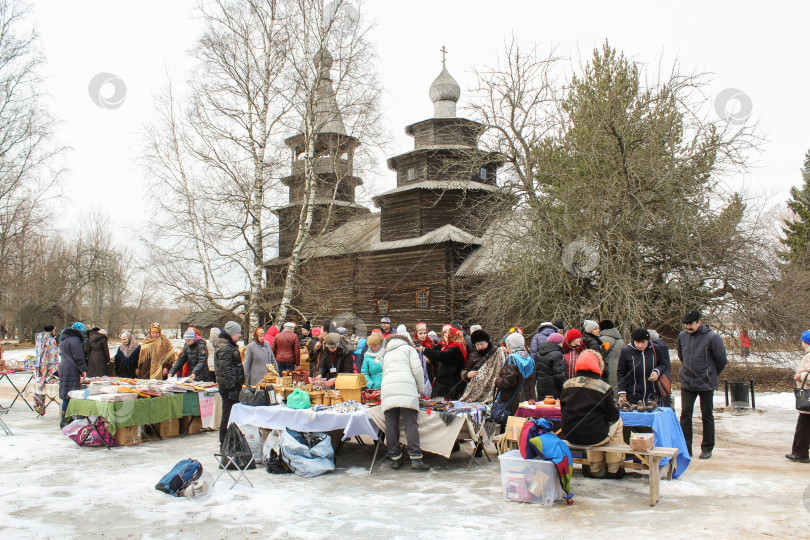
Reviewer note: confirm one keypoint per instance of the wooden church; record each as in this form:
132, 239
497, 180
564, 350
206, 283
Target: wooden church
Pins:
403, 261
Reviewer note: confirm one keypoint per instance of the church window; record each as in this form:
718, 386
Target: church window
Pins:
411, 174
482, 174
423, 298
382, 306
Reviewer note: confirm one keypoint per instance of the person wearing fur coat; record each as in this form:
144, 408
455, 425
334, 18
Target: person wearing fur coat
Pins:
403, 380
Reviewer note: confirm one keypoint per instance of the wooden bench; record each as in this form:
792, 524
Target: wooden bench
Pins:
649, 462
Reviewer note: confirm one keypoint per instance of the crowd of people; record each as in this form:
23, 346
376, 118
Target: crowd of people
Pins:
590, 369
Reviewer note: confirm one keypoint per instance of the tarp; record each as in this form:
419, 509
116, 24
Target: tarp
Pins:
667, 430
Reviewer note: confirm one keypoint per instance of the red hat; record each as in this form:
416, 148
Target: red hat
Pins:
589, 361
572, 334
376, 331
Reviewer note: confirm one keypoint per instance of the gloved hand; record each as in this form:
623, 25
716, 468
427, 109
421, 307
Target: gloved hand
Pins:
653, 376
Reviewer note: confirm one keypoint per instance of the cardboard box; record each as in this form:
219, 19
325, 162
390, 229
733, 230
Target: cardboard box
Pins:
642, 442
350, 381
169, 428
514, 425
128, 435
190, 424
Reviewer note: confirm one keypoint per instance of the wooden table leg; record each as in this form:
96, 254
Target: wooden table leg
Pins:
655, 477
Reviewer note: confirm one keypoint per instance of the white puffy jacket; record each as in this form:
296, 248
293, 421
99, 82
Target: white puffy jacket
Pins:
402, 376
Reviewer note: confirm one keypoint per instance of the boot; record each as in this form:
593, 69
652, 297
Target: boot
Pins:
396, 463
419, 465
618, 475
63, 421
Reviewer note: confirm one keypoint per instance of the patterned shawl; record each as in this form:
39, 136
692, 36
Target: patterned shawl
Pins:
481, 388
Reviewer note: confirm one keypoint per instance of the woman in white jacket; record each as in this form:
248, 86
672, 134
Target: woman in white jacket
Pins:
403, 380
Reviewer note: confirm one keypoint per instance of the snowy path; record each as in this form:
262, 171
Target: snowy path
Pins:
50, 488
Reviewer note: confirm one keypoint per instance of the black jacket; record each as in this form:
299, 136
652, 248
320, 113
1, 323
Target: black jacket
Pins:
477, 359
98, 355
634, 369
228, 366
703, 358
447, 365
72, 364
550, 368
125, 366
588, 409
592, 342
197, 357
342, 360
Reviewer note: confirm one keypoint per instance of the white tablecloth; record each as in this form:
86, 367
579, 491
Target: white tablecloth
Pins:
435, 436
281, 417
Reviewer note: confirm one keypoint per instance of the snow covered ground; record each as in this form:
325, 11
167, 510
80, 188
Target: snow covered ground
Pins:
50, 488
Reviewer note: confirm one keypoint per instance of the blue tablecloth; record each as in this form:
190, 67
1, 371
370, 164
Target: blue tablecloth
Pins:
667, 430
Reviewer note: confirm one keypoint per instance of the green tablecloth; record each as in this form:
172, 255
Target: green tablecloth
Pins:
191, 404
135, 413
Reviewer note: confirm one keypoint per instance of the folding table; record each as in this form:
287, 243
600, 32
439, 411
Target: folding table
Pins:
7, 375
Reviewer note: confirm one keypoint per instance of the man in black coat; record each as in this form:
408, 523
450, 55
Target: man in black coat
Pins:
336, 358
590, 416
230, 373
703, 358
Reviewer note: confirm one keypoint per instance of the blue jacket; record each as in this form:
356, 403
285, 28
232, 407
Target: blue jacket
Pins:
72, 364
703, 358
543, 332
372, 369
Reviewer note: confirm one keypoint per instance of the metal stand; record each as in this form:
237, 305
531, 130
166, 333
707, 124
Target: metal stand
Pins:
19, 395
231, 461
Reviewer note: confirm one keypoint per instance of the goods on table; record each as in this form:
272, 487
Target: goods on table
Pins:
371, 397
642, 442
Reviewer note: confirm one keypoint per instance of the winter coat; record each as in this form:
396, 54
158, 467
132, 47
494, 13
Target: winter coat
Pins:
72, 364
372, 368
570, 356
228, 365
612, 337
635, 367
287, 348
509, 380
703, 358
256, 359
543, 332
196, 356
802, 370
592, 342
476, 359
156, 355
550, 369
340, 361
402, 377
98, 356
587, 408
125, 365
447, 365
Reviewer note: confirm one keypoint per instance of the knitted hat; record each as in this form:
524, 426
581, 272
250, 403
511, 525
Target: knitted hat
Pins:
289, 325
692, 316
479, 336
556, 338
589, 325
806, 337
606, 324
376, 331
401, 329
515, 340
342, 331
589, 361
572, 334
559, 324
332, 339
189, 335
306, 325
232, 328
641, 334
432, 335
214, 333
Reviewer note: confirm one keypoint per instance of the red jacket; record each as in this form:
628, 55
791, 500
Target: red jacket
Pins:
287, 348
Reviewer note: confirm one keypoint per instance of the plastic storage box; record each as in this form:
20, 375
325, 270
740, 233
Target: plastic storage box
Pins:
529, 480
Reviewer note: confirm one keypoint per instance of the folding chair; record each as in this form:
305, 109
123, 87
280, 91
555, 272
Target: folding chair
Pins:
232, 461
3, 412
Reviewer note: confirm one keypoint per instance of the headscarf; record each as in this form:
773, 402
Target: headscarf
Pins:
131, 344
455, 339
519, 356
427, 342
256, 337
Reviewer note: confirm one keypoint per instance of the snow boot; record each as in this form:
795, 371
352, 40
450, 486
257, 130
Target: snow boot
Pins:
419, 465
618, 475
397, 463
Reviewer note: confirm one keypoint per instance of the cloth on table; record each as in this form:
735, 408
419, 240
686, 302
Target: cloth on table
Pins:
137, 412
210, 416
435, 436
280, 417
552, 413
668, 433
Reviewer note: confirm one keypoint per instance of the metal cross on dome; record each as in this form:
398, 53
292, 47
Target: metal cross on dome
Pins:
444, 54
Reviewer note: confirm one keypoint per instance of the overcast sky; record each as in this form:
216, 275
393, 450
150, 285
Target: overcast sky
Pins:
759, 48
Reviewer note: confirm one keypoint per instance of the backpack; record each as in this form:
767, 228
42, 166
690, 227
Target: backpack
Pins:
184, 473
501, 411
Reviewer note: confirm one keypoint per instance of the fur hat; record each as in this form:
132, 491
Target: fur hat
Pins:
515, 340
306, 326
474, 327
572, 334
640, 334
589, 361
589, 325
479, 336
692, 316
555, 338
332, 339
232, 328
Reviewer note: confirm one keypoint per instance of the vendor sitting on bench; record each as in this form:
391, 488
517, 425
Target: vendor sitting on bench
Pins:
590, 417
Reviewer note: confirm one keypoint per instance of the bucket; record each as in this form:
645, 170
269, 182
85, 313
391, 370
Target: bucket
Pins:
739, 394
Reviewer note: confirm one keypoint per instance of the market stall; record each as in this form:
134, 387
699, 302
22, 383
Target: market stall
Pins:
319, 418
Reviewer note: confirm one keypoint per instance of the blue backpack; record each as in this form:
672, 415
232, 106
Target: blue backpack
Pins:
179, 478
